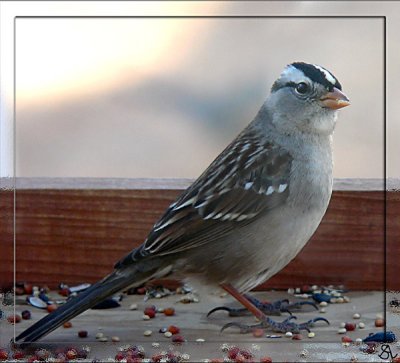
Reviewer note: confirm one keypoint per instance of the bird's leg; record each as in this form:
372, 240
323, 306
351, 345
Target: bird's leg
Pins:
275, 308
265, 321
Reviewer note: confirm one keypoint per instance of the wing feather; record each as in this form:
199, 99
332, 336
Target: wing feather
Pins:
249, 178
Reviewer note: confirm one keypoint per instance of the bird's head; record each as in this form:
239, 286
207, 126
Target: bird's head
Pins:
306, 98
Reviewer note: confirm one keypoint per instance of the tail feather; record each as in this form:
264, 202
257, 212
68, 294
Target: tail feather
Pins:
93, 295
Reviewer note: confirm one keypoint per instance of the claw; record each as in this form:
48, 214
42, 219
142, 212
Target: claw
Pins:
243, 328
319, 319
231, 311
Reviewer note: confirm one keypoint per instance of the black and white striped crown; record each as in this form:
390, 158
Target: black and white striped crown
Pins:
318, 74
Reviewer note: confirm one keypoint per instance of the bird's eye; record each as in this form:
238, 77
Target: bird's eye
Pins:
302, 88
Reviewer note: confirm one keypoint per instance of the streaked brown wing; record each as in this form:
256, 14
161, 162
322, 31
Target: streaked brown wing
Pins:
249, 178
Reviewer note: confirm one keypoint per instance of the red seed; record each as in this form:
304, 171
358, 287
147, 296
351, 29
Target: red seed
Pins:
71, 354
150, 311
157, 358
3, 354
18, 354
82, 333
141, 290
305, 288
258, 333
64, 292
396, 359
217, 360
246, 354
173, 329
266, 359
233, 352
178, 339
346, 339
26, 315
297, 337
52, 307
13, 319
169, 311
120, 356
379, 322
67, 325
28, 288
33, 358
350, 326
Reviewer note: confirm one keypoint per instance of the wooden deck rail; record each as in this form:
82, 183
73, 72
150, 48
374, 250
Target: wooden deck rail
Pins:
73, 230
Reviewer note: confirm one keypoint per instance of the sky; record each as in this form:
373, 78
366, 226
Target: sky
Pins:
161, 97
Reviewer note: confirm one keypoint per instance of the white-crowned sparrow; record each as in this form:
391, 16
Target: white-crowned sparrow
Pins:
251, 211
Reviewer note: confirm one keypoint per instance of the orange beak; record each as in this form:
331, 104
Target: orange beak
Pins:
335, 99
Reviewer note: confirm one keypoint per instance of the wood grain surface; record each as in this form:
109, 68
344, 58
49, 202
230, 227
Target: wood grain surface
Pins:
73, 231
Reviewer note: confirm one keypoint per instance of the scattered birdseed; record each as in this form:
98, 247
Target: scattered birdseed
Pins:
185, 356
290, 291
288, 334
173, 329
342, 325
342, 331
147, 333
115, 339
311, 334
322, 310
83, 333
178, 339
356, 316
103, 339
200, 340
361, 325
379, 316
340, 300
168, 334
379, 322
145, 317
350, 326
297, 337
169, 311
67, 325
304, 353
358, 341
224, 347
346, 299
255, 347
258, 333
133, 306
13, 319
346, 339
155, 345
323, 303
99, 335
333, 300
353, 358
26, 315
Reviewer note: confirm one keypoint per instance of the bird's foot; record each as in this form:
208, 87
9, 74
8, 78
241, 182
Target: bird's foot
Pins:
280, 327
275, 308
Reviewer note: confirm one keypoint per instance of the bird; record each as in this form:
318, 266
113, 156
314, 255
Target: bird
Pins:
249, 213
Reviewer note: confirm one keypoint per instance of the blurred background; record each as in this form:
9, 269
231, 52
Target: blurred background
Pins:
161, 97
